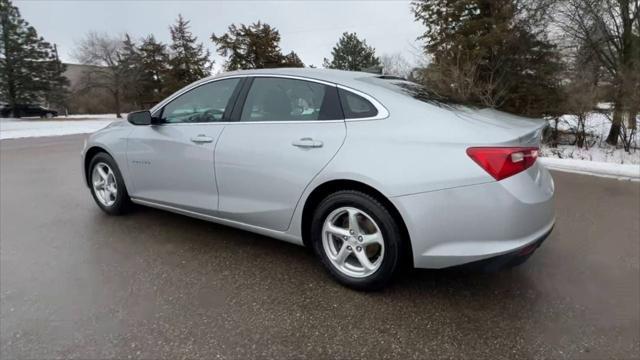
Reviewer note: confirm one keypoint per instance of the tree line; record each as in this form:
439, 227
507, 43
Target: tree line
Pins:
146, 71
529, 57
536, 57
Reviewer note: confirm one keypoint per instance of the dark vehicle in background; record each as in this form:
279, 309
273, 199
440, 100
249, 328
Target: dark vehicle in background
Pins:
27, 110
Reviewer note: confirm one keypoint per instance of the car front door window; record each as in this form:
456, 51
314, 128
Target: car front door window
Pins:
206, 103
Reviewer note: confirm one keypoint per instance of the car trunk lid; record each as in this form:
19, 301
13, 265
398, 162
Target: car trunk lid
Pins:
510, 129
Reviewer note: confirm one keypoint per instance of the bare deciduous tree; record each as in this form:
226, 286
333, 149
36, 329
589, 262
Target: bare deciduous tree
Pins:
611, 29
103, 52
395, 65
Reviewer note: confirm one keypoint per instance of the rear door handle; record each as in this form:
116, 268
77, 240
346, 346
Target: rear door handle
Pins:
307, 143
201, 139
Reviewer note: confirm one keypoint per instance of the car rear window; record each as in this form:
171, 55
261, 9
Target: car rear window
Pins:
412, 89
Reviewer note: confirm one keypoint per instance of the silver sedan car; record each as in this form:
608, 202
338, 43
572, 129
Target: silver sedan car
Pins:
373, 172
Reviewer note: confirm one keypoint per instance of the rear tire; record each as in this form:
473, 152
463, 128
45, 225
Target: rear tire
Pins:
107, 185
357, 240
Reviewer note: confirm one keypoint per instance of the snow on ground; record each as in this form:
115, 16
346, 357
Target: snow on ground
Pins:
600, 158
74, 124
606, 153
619, 171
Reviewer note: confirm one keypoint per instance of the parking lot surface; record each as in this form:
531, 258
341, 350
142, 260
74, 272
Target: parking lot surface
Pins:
76, 283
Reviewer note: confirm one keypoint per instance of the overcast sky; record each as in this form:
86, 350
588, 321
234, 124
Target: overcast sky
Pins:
310, 28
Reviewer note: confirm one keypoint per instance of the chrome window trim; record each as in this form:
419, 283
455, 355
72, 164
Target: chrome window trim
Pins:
383, 113
210, 80
255, 122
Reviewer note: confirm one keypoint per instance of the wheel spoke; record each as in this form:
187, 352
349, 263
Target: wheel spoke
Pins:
337, 231
104, 194
353, 221
343, 254
99, 184
364, 261
102, 173
370, 239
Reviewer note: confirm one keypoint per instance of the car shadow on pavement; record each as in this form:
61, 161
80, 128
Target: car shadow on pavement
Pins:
275, 256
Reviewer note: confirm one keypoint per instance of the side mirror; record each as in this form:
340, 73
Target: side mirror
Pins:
139, 117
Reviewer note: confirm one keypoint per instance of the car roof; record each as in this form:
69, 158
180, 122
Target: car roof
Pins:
347, 78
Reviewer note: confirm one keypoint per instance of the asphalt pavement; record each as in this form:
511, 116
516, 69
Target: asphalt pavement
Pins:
76, 283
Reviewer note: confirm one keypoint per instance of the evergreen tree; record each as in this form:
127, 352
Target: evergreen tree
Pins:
256, 46
292, 60
491, 52
351, 53
154, 61
56, 93
130, 62
189, 59
29, 68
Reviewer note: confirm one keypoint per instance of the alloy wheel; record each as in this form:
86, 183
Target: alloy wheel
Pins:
353, 242
104, 184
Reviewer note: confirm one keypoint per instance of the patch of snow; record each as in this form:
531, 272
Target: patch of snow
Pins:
600, 158
619, 171
597, 125
21, 128
90, 116
605, 153
604, 106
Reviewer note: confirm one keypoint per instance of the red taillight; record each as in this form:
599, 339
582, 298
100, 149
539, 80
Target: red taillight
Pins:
502, 162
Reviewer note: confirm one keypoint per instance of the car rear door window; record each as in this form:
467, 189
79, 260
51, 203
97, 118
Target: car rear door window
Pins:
283, 99
355, 106
205, 103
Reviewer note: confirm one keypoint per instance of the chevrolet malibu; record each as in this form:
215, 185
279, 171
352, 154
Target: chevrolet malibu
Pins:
374, 173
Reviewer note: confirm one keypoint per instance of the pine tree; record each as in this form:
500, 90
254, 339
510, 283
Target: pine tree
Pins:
292, 60
56, 92
189, 60
154, 59
130, 61
492, 53
256, 46
351, 53
29, 68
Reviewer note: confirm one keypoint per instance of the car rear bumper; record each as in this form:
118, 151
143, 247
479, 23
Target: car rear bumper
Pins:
467, 224
505, 261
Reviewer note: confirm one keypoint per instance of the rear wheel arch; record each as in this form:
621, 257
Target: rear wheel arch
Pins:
330, 187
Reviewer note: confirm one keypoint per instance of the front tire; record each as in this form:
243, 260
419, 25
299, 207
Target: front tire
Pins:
107, 185
357, 240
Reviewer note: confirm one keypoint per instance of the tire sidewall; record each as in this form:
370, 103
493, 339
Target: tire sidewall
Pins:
388, 226
122, 197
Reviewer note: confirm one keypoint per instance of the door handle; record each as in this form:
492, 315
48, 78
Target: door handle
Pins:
201, 139
307, 143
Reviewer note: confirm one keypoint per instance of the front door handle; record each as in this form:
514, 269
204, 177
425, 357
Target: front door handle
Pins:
201, 139
307, 143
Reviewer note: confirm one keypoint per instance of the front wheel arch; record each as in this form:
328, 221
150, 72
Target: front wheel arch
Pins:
88, 156
330, 187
